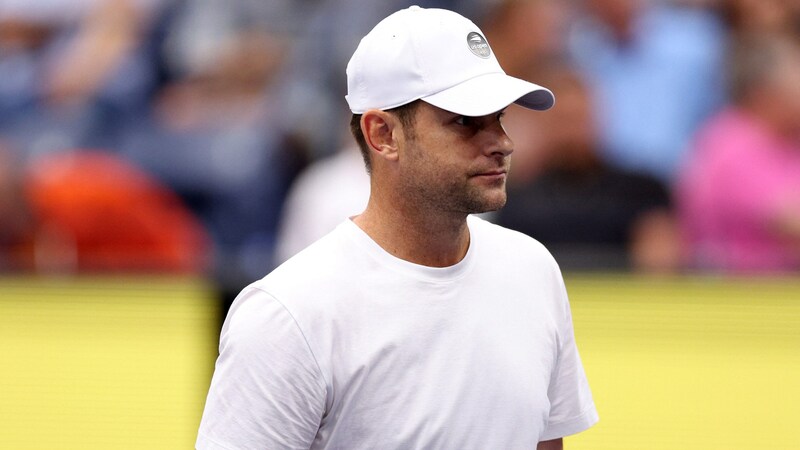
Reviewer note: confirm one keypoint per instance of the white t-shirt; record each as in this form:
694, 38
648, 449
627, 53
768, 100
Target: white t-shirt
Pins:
347, 347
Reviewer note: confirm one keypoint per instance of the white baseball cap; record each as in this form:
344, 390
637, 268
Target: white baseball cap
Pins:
437, 56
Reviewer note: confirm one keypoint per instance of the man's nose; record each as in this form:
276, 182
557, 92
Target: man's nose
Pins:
501, 143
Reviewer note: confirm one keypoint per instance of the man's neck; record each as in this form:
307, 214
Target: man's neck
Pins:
423, 237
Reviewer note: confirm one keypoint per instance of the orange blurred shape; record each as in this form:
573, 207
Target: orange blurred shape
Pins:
98, 213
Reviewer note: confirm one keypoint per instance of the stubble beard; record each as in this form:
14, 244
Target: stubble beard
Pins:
477, 202
434, 189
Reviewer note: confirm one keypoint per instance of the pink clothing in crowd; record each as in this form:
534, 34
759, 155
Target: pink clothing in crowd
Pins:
738, 178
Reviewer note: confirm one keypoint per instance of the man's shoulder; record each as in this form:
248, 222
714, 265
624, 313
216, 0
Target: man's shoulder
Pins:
509, 242
498, 233
327, 260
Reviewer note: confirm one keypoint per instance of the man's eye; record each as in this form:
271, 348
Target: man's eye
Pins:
465, 121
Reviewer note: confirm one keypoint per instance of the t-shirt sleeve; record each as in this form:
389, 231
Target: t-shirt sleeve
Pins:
572, 408
267, 390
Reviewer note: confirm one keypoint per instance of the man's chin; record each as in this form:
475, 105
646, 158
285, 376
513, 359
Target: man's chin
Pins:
495, 207
490, 204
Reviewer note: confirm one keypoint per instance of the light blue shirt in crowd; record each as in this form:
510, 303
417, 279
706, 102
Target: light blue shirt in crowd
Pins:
653, 91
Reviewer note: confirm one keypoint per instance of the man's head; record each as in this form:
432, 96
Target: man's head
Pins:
422, 73
570, 131
763, 78
618, 15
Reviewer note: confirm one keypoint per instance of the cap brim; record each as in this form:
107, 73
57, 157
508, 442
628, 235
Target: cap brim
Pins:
490, 93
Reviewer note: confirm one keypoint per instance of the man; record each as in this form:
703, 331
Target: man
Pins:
590, 214
656, 69
413, 325
739, 193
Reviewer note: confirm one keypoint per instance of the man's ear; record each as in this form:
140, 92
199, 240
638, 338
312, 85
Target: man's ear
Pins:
380, 132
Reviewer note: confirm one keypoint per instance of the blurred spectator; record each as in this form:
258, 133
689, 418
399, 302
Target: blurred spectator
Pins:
590, 215
70, 71
214, 131
90, 211
527, 35
657, 70
327, 193
761, 16
16, 225
739, 197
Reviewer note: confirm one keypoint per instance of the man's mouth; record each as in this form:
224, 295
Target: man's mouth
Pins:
493, 174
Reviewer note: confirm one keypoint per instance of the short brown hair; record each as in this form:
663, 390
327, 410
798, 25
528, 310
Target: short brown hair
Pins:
404, 112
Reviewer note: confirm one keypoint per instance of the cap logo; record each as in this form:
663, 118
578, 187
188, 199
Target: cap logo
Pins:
478, 45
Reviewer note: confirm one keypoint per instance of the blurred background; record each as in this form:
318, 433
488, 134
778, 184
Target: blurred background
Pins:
158, 155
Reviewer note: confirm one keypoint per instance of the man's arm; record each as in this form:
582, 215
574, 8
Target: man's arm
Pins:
555, 444
571, 406
267, 390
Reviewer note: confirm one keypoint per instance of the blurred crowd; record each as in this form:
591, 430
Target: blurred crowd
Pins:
210, 136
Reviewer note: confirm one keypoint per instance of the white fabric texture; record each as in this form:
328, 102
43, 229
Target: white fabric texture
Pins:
347, 347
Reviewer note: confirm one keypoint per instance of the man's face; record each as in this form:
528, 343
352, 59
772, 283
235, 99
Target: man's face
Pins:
453, 163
